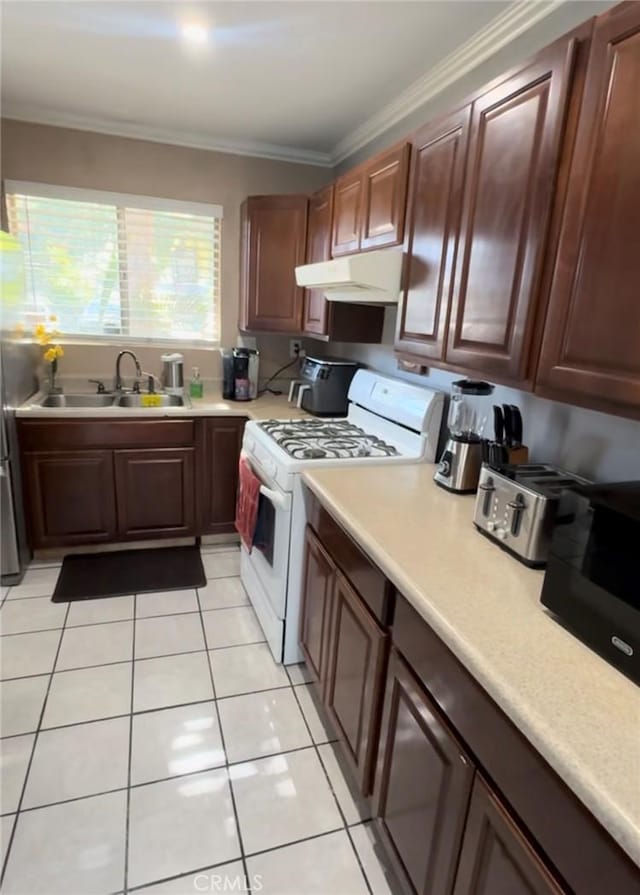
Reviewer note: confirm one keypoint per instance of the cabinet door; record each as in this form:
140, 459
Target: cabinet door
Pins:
516, 132
422, 788
274, 232
347, 213
220, 441
70, 497
433, 223
384, 199
591, 346
354, 689
318, 249
496, 859
155, 493
315, 612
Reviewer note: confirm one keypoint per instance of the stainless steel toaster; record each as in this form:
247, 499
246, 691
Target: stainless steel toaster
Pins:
517, 505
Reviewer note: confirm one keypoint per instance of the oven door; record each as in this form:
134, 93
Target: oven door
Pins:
266, 567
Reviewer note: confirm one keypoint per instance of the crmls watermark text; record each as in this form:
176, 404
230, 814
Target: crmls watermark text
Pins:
224, 882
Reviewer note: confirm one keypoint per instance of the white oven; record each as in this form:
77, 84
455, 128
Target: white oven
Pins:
264, 570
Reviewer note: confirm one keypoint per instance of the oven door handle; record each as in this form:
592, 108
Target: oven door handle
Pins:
281, 501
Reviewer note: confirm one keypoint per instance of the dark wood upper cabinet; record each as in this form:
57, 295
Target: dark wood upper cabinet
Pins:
496, 858
273, 232
384, 198
219, 445
347, 213
318, 249
155, 492
591, 348
70, 497
423, 785
370, 203
433, 224
315, 612
514, 144
357, 660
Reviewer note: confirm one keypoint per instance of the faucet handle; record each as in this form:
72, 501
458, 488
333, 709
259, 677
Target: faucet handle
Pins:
100, 384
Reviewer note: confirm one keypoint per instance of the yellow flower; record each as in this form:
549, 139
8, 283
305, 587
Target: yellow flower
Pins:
50, 355
58, 350
41, 334
53, 318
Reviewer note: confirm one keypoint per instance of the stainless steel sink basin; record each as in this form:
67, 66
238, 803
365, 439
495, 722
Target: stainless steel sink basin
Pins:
77, 401
156, 400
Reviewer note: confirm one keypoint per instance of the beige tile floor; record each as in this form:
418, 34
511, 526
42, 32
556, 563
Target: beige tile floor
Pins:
151, 743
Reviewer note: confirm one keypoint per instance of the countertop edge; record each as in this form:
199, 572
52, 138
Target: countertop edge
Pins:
261, 408
619, 826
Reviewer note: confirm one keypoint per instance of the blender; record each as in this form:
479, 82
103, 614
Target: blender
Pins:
469, 410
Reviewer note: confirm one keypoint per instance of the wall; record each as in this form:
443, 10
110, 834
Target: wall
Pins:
98, 161
596, 445
563, 19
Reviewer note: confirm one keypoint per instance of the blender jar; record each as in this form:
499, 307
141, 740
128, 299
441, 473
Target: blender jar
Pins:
469, 409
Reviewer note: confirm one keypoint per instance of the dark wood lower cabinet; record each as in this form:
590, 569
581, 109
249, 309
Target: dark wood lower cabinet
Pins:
444, 828
423, 786
496, 859
70, 497
357, 659
220, 441
155, 492
315, 614
92, 481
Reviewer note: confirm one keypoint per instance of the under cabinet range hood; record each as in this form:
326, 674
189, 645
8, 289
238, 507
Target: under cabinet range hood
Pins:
370, 278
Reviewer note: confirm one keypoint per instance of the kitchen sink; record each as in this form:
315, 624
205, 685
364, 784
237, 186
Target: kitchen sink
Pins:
155, 400
77, 401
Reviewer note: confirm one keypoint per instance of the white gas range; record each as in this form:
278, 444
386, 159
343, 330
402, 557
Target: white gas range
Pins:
389, 421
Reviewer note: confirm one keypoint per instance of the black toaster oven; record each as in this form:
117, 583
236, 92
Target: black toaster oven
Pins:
592, 582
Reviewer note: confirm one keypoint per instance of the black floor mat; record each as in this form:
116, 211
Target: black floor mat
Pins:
92, 576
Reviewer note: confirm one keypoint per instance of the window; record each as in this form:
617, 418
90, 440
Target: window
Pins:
125, 268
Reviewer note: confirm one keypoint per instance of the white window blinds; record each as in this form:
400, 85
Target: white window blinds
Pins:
119, 267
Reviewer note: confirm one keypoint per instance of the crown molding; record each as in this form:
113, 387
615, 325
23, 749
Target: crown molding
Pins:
518, 18
257, 149
515, 20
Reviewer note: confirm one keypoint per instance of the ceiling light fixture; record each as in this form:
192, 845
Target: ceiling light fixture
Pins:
195, 33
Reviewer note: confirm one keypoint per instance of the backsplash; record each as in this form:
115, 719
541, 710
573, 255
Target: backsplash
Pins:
596, 445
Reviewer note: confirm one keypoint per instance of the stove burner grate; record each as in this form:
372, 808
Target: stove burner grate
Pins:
318, 439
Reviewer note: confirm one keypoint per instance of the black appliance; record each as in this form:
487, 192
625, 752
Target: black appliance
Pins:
591, 583
323, 387
240, 374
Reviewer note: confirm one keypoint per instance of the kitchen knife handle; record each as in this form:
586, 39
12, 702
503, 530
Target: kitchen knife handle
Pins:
516, 423
508, 425
498, 423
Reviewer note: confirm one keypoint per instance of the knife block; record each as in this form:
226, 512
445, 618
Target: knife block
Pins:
518, 454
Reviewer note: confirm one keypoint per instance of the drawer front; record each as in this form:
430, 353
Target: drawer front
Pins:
69, 434
365, 577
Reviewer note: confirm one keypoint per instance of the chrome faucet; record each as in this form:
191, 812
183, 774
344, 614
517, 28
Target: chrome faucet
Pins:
118, 382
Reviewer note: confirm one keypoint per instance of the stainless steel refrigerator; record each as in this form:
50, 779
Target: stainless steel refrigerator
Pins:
18, 366
18, 383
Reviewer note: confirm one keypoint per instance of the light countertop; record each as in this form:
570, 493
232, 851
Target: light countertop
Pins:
212, 404
580, 713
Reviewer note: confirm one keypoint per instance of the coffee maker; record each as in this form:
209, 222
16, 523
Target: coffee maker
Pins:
240, 374
469, 409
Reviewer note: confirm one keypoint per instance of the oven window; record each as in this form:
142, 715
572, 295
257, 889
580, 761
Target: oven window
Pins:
264, 535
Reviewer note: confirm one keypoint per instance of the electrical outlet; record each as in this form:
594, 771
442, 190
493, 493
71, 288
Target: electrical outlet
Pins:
295, 348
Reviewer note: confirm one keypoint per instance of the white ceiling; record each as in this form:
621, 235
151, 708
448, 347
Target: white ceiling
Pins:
283, 79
